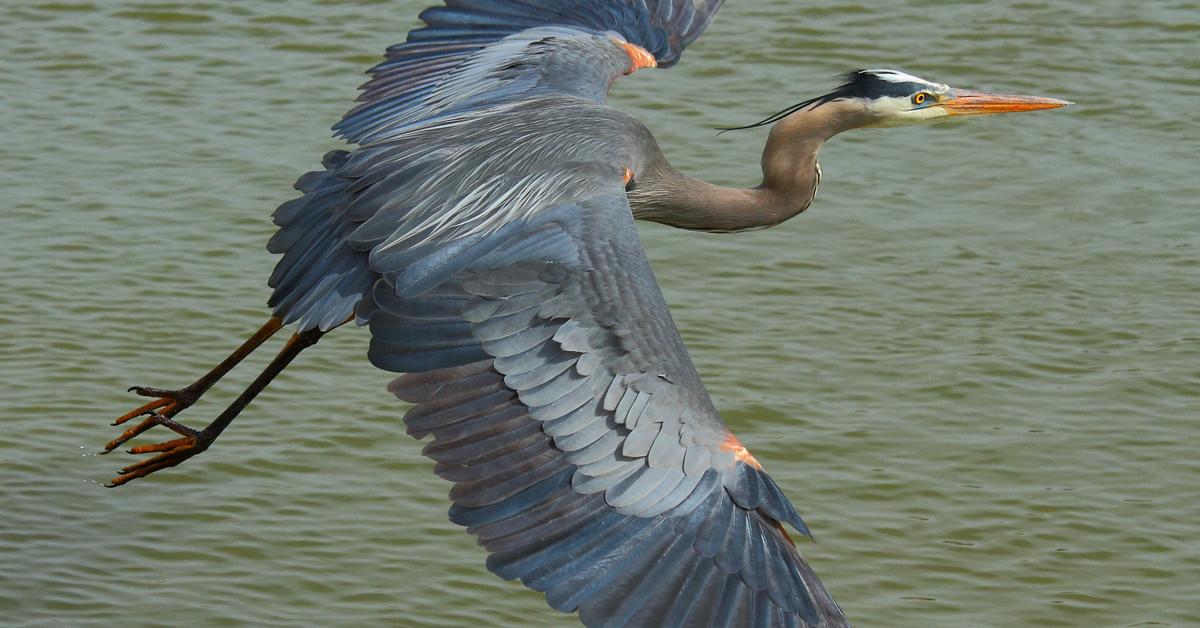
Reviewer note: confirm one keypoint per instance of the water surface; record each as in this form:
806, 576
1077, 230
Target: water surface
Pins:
974, 364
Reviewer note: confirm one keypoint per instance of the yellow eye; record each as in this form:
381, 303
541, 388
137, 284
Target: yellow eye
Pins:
919, 99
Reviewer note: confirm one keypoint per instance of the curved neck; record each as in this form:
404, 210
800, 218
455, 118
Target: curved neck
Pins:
790, 179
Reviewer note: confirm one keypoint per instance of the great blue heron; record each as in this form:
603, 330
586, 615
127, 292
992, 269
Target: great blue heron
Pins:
483, 230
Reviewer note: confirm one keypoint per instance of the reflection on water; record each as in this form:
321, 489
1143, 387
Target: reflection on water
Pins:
972, 364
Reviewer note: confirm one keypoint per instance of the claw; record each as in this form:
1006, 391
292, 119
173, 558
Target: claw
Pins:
164, 461
170, 453
151, 421
160, 410
132, 432
146, 391
168, 404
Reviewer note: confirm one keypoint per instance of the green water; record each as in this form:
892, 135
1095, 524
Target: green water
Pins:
974, 364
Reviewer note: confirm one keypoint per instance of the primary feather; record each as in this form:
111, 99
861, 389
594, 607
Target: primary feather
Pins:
482, 232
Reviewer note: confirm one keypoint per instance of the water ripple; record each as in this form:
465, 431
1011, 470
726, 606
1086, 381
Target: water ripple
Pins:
972, 363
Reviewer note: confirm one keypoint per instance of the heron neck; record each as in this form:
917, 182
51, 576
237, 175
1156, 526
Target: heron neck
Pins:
790, 179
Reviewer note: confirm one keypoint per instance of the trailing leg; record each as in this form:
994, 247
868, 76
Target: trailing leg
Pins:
192, 442
171, 402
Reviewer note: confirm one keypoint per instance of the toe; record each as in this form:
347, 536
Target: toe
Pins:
140, 410
170, 445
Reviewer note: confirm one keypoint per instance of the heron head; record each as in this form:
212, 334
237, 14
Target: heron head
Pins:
893, 98
887, 98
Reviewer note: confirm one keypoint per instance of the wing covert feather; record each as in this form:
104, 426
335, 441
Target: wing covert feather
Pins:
597, 515
418, 78
488, 243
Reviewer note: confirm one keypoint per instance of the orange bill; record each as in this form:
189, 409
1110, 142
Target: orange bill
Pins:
965, 102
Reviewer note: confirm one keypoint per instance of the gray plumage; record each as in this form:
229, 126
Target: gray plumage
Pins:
482, 229
508, 278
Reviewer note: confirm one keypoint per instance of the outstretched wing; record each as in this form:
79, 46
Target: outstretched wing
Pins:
586, 455
483, 233
472, 57
460, 39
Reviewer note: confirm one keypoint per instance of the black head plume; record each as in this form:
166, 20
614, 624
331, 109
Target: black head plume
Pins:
866, 84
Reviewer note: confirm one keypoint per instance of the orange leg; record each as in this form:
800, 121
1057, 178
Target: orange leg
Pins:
192, 442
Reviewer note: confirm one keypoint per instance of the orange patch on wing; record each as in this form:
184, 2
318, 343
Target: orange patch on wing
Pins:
640, 56
627, 174
740, 452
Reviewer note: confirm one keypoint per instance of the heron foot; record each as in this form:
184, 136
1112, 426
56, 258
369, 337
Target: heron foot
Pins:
168, 402
170, 452
160, 411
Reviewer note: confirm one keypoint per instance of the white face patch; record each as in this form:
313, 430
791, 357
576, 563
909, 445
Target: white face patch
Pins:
901, 110
897, 111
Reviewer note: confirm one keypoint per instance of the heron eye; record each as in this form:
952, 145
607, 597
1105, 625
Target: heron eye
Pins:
919, 99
